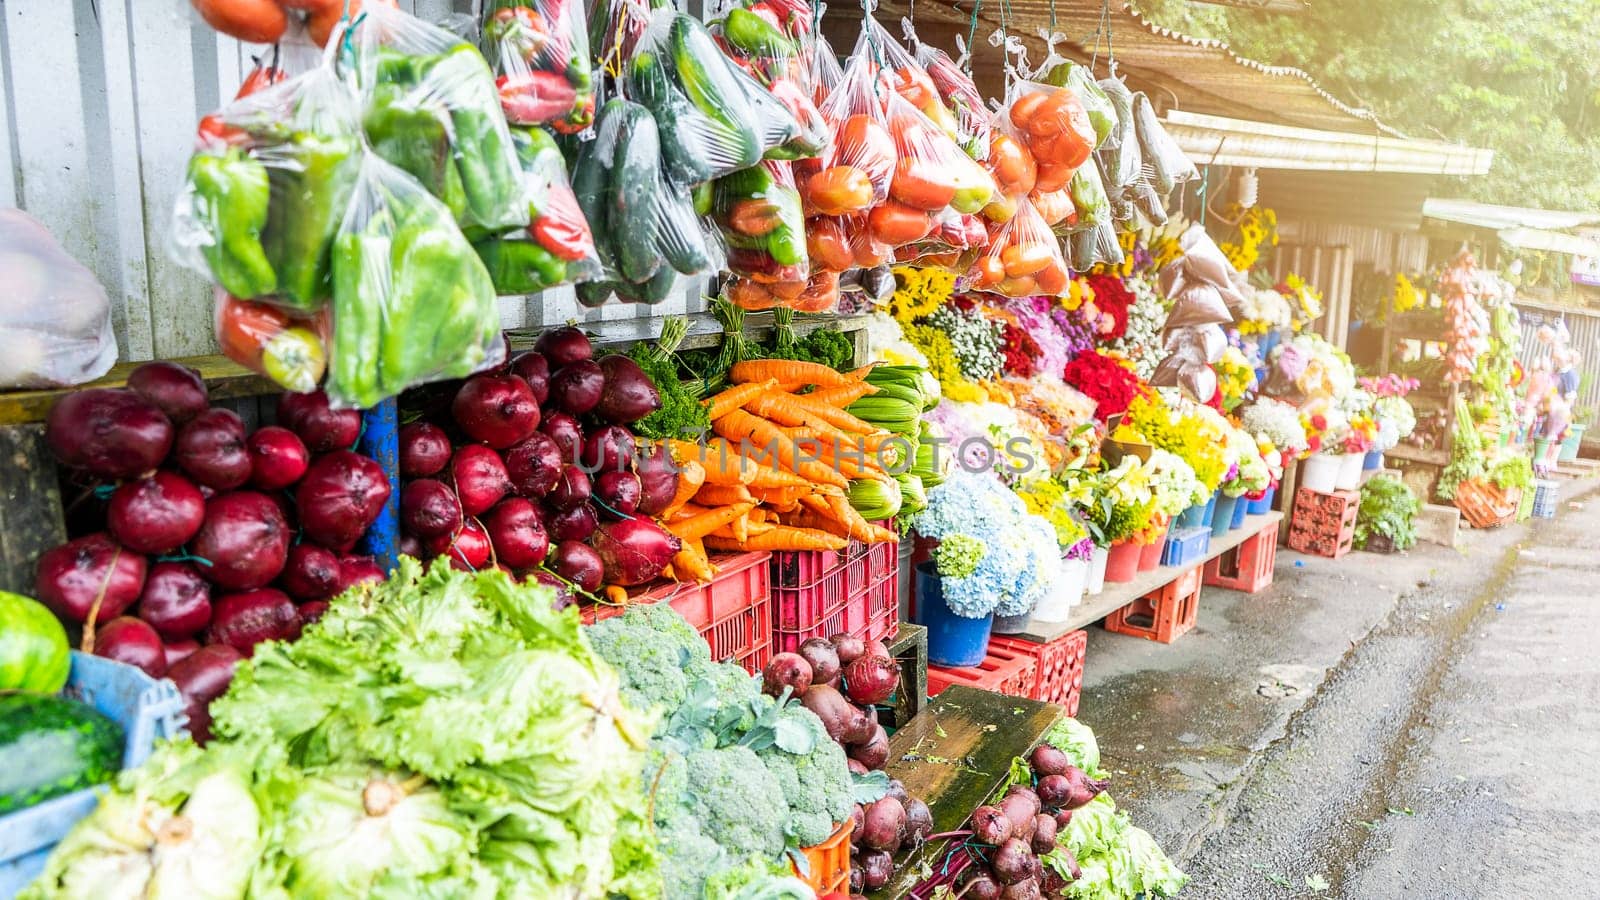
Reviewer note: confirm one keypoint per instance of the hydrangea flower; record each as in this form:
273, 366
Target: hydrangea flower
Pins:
1018, 548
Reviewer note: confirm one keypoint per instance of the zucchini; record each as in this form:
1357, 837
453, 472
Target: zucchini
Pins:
675, 115
53, 746
657, 289
635, 189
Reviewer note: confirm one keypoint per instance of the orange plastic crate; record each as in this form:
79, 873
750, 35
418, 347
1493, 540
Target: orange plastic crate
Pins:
1163, 615
829, 862
1003, 671
1058, 666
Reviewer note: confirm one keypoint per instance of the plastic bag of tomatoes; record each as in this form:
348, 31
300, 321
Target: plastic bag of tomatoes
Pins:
931, 176
1056, 129
854, 172
960, 96
539, 51
1023, 259
817, 294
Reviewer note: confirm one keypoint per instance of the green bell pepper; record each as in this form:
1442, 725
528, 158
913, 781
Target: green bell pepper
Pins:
520, 266
416, 137
232, 194
755, 36
310, 194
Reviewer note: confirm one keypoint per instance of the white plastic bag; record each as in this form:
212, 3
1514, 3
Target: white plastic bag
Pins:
55, 320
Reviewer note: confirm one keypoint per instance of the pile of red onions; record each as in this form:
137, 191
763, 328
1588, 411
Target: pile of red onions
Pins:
532, 468
196, 558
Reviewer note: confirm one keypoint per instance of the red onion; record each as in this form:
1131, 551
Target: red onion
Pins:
516, 529
340, 498
178, 391
244, 538
155, 515
109, 433
424, 450
244, 620
311, 573
176, 600
201, 677
278, 458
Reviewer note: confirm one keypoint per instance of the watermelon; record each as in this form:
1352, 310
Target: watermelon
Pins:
34, 655
53, 746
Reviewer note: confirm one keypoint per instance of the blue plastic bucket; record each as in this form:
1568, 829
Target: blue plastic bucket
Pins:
1210, 514
1193, 517
1240, 507
952, 640
1222, 520
1264, 505
1373, 460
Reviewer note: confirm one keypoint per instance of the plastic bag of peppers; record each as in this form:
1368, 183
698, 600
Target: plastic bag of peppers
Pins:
539, 50
557, 247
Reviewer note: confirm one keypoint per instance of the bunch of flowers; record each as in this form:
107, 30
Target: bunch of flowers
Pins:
1058, 334
1273, 457
1390, 385
1257, 227
943, 363
1315, 425
1361, 436
1406, 296
886, 342
1061, 408
1113, 299
919, 292
1174, 482
1078, 294
1395, 413
1277, 423
993, 437
1018, 350
974, 337
958, 555
1250, 472
1191, 435
1331, 424
1305, 301
1311, 366
1235, 377
1264, 310
1107, 380
1019, 548
1047, 499
1141, 341
1127, 503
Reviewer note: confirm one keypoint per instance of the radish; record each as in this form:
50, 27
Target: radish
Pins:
571, 490
354, 570
310, 573
201, 677
340, 498
129, 640
608, 449
534, 466
480, 477
634, 551
278, 458
576, 388
564, 346
533, 368
244, 620
563, 428
499, 410
469, 547
628, 395
428, 508
108, 433
617, 493
516, 530
91, 570
155, 515
579, 564
176, 600
424, 450
244, 538
322, 427
178, 391
576, 524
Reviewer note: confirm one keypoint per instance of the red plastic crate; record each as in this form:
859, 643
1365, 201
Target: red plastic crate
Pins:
1163, 615
858, 595
1324, 524
732, 611
1058, 666
1003, 671
1247, 567
829, 862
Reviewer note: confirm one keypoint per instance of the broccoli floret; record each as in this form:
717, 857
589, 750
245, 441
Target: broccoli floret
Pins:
649, 645
757, 879
816, 785
666, 622
737, 801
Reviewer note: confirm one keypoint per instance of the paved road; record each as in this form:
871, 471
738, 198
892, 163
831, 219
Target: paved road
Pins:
1439, 733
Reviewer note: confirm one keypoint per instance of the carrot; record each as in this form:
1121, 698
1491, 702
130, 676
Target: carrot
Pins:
740, 526
783, 537
719, 460
788, 410
843, 395
723, 494
690, 476
786, 370
687, 511
690, 562
735, 397
810, 518
860, 529
741, 426
836, 417
863, 372
780, 496
616, 595
731, 531
769, 478
707, 522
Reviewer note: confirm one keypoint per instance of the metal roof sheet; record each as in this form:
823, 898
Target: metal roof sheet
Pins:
1501, 218
1216, 140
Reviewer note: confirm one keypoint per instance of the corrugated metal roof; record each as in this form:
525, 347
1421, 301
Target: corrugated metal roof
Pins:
1498, 218
1216, 140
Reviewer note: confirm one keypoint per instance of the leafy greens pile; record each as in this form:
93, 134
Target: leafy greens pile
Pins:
442, 734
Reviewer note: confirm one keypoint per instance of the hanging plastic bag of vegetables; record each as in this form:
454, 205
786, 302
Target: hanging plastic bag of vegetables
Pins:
539, 51
960, 95
412, 303
290, 349
758, 212
772, 42
557, 247
267, 187
1023, 260
429, 106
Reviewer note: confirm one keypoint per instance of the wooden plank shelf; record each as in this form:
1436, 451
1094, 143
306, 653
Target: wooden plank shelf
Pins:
1116, 596
1425, 455
953, 756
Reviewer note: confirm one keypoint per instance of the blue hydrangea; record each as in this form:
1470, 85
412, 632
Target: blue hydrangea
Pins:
1020, 547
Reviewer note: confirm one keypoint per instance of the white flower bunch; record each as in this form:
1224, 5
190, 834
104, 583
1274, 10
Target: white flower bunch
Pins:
1275, 421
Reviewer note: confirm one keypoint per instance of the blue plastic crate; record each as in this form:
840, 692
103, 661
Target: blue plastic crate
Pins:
1186, 547
1546, 497
146, 709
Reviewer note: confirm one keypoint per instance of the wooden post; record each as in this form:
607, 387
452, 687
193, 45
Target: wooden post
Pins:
30, 518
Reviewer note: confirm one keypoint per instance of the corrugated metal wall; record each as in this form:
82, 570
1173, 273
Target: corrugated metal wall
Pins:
1583, 326
101, 98
1326, 256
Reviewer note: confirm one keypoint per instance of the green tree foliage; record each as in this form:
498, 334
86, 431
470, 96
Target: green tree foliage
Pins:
1520, 77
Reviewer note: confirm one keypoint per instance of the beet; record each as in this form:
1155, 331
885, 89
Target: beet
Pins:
176, 600
897, 790
499, 410
836, 713
180, 650
576, 388
178, 391
1044, 833
132, 641
554, 582
155, 515
858, 878
978, 883
424, 450
201, 677
580, 564
848, 647
211, 450
410, 546
322, 427
534, 466
617, 493
871, 679
533, 368
516, 529
577, 524
428, 508
1053, 790
245, 538
919, 821
1026, 889
1063, 818
340, 497
1029, 796
480, 478
311, 613
1012, 861
354, 570
877, 867
1021, 813
566, 431
990, 825
874, 751
629, 395
246, 619
882, 824
786, 670
658, 478
278, 458
564, 346
111, 434
572, 490
73, 576
468, 547
310, 573
823, 658
634, 551
858, 817
608, 449
1081, 788
1047, 760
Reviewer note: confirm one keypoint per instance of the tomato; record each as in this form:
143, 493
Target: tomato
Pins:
867, 249
1018, 287
1011, 163
828, 245
754, 217
838, 190
253, 21
1053, 178
821, 294
920, 184
916, 87
896, 223
1024, 259
1024, 108
866, 145
1053, 206
787, 290
746, 294
1052, 279
264, 339
987, 271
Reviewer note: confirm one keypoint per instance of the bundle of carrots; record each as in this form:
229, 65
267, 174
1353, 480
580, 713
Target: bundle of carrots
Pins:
774, 475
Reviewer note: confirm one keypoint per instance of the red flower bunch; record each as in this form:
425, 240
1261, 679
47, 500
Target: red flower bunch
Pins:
1104, 380
1020, 351
1113, 297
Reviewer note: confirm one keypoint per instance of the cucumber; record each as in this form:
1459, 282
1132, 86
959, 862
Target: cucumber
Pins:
591, 179
657, 289
636, 189
675, 117
712, 83
53, 746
